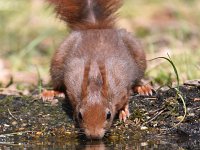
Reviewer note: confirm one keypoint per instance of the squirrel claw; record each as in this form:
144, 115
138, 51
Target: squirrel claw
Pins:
144, 90
124, 114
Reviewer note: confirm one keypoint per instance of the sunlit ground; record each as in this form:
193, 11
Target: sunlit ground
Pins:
30, 33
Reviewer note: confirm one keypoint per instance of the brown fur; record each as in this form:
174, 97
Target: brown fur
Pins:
85, 80
102, 70
79, 13
95, 66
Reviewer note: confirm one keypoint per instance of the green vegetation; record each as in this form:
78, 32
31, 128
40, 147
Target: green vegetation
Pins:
29, 34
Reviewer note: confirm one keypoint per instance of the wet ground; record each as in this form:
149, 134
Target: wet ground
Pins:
170, 119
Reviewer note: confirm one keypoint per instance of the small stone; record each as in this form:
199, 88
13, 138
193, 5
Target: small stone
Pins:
68, 133
24, 125
14, 123
21, 129
38, 133
191, 114
155, 125
144, 144
143, 128
6, 125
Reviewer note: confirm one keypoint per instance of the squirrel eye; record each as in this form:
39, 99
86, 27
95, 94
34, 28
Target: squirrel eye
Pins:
80, 116
108, 115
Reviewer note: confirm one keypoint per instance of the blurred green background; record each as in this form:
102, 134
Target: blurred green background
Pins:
30, 33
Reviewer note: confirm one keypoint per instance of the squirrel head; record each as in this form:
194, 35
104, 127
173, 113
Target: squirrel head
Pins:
95, 111
95, 115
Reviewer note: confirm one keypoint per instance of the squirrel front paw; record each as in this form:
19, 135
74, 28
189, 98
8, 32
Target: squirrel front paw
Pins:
48, 95
124, 114
143, 89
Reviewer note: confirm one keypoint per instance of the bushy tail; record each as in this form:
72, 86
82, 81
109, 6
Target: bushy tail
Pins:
87, 14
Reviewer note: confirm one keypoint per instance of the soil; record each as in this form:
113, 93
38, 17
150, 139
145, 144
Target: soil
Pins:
170, 115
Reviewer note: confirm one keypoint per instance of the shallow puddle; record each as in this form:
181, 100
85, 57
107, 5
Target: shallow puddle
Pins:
112, 142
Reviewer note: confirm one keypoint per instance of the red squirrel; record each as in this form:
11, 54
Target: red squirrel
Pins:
97, 65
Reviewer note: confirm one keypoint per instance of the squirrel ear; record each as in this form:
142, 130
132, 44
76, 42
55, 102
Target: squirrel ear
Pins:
102, 70
85, 82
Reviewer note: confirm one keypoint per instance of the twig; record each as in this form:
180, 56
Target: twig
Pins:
16, 133
154, 117
195, 108
9, 144
11, 114
156, 111
151, 98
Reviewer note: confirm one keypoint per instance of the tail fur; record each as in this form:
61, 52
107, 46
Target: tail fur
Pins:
87, 14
